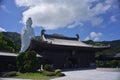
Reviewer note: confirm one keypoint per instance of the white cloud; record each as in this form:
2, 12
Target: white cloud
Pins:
96, 21
74, 25
113, 19
53, 14
2, 29
3, 7
94, 36
87, 38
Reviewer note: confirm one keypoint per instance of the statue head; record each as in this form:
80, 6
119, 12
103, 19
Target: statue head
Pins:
29, 22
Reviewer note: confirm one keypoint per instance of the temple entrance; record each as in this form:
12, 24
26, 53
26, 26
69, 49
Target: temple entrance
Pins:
72, 62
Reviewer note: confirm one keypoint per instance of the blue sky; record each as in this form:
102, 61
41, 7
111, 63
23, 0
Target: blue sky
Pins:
98, 20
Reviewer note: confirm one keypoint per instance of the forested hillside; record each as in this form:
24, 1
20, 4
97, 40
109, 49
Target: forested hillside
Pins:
115, 46
10, 41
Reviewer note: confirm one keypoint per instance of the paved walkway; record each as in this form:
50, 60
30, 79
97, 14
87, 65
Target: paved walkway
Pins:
89, 75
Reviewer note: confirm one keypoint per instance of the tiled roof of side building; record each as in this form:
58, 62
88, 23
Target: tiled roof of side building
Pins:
8, 54
13, 54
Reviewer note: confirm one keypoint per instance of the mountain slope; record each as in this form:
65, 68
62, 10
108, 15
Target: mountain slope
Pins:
115, 46
12, 40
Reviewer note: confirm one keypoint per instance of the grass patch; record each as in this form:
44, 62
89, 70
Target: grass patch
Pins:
43, 75
48, 73
34, 76
10, 74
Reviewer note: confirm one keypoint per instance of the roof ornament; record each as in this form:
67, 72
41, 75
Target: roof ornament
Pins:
43, 32
42, 35
78, 38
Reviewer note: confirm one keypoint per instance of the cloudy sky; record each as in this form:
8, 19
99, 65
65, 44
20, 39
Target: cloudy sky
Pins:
98, 20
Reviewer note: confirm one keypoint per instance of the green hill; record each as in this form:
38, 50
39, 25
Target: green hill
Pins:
115, 46
10, 41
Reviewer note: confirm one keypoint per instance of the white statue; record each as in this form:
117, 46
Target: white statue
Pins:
27, 34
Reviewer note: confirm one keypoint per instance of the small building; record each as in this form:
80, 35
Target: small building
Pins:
109, 57
7, 61
65, 52
109, 61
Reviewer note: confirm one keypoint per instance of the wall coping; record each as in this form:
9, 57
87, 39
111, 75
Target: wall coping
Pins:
108, 69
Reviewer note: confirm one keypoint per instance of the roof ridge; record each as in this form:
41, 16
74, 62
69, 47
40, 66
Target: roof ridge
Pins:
59, 37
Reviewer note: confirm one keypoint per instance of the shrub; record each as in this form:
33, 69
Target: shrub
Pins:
48, 73
20, 62
58, 71
27, 62
110, 64
10, 74
114, 63
60, 74
47, 67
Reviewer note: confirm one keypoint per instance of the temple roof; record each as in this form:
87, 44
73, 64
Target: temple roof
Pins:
61, 42
67, 41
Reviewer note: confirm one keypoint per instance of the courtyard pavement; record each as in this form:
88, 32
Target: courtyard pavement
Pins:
92, 74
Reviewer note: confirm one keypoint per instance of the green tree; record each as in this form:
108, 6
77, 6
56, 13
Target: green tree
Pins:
27, 62
20, 62
4, 45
